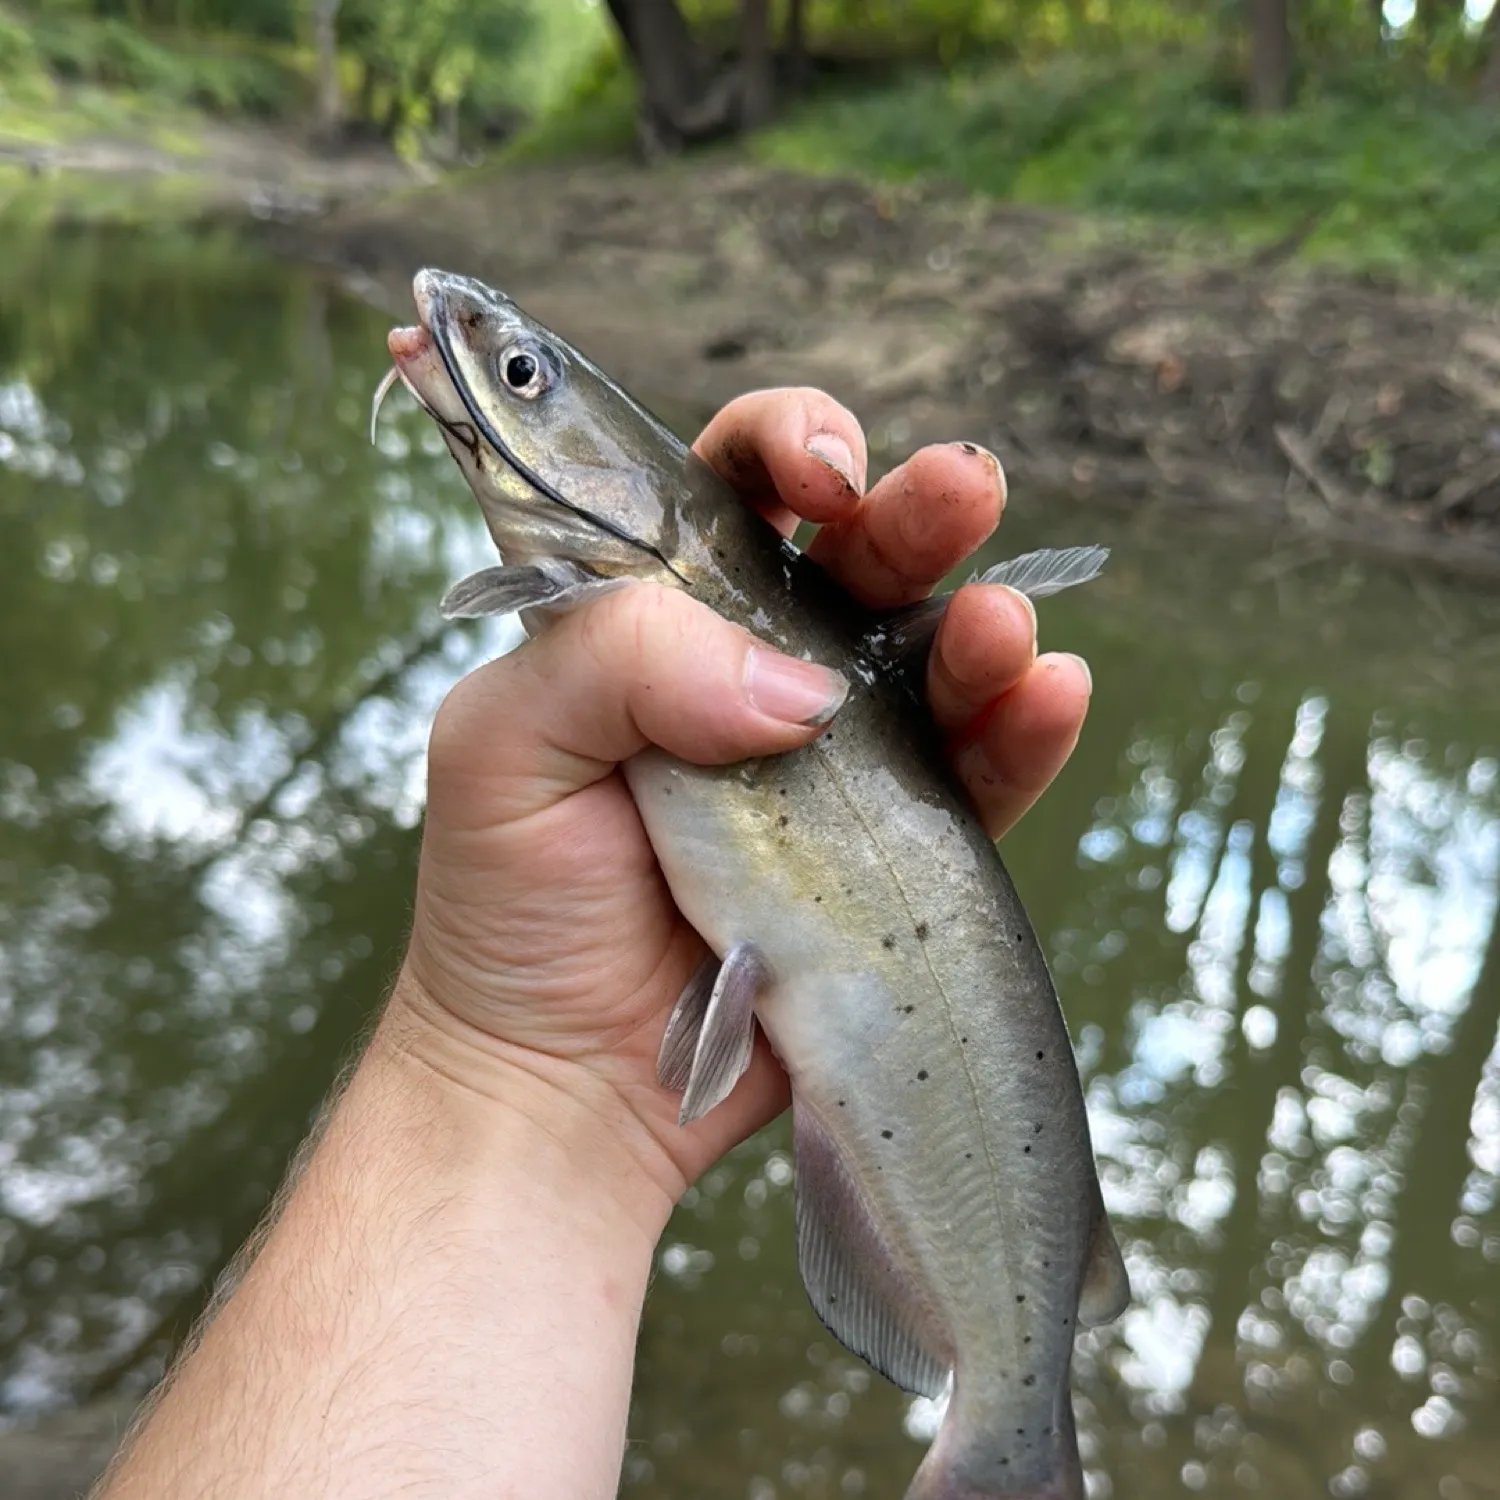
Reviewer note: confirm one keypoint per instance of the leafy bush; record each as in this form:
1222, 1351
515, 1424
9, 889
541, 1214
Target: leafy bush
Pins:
227, 78
23, 70
1395, 173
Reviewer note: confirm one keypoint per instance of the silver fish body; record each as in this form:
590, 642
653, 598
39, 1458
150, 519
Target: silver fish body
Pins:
949, 1218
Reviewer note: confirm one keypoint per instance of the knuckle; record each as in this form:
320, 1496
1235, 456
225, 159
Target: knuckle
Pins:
456, 725
630, 630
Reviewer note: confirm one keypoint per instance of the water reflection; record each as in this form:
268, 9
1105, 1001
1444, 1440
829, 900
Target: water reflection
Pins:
1268, 885
222, 660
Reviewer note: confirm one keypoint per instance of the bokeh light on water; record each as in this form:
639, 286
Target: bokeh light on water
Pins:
1268, 885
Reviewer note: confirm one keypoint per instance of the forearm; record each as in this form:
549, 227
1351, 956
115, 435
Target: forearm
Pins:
447, 1305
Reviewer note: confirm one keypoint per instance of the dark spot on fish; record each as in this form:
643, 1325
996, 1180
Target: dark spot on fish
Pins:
1004, 1463
1046, 1265
968, 1156
1026, 1150
848, 890
889, 940
1020, 1432
1020, 937
842, 1102
667, 790
783, 791
1038, 1127
885, 1135
908, 1009
1040, 1056
963, 1041
1029, 1380
1066, 1321
921, 1075
818, 899
1020, 1296
1027, 1339
782, 821
922, 931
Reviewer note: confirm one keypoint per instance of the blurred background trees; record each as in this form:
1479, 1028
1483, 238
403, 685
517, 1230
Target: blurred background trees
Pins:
444, 72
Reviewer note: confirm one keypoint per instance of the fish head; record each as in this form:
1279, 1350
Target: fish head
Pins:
562, 462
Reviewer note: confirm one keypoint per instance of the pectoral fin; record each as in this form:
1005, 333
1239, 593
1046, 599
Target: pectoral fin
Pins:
1039, 575
853, 1276
902, 638
505, 590
710, 1035
1106, 1283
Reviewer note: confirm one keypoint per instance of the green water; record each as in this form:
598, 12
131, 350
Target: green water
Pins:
1267, 883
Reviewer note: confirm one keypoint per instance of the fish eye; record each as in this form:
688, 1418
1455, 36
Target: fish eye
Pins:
522, 372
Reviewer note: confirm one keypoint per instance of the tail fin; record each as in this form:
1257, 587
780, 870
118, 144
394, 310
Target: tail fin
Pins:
1002, 1465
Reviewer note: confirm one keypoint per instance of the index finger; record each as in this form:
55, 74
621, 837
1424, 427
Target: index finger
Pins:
794, 454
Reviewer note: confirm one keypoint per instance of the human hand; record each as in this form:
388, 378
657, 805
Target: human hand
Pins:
546, 947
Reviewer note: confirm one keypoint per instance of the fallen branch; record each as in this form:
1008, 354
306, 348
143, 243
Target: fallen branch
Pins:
1464, 486
1303, 457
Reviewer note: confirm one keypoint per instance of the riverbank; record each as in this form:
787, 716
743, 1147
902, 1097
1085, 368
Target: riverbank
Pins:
1111, 363
98, 154
1116, 363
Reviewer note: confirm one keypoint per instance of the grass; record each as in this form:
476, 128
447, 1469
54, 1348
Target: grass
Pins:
1395, 176
1384, 172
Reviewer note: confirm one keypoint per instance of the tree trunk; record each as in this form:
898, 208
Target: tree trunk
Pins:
330, 118
796, 44
758, 90
1489, 80
680, 102
1270, 56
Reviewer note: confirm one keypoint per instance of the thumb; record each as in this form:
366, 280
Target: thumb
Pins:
641, 666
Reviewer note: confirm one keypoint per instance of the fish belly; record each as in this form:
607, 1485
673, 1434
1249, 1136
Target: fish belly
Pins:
917, 1023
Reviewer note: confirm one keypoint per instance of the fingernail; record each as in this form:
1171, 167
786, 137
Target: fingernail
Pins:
834, 452
1083, 667
1025, 600
796, 692
973, 450
976, 770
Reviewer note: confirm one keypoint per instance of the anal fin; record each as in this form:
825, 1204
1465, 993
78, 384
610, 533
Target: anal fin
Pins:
854, 1279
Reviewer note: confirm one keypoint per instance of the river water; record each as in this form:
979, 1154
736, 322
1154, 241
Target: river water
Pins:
1267, 883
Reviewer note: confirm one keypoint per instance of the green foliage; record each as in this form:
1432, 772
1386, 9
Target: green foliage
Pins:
443, 58
412, 68
220, 74
1395, 174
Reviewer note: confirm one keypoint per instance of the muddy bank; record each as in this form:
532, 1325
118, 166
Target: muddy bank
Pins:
1125, 371
272, 172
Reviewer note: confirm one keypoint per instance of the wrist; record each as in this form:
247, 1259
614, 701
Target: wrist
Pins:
573, 1130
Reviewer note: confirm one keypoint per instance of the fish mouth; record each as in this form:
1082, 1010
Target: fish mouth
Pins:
421, 354
422, 361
